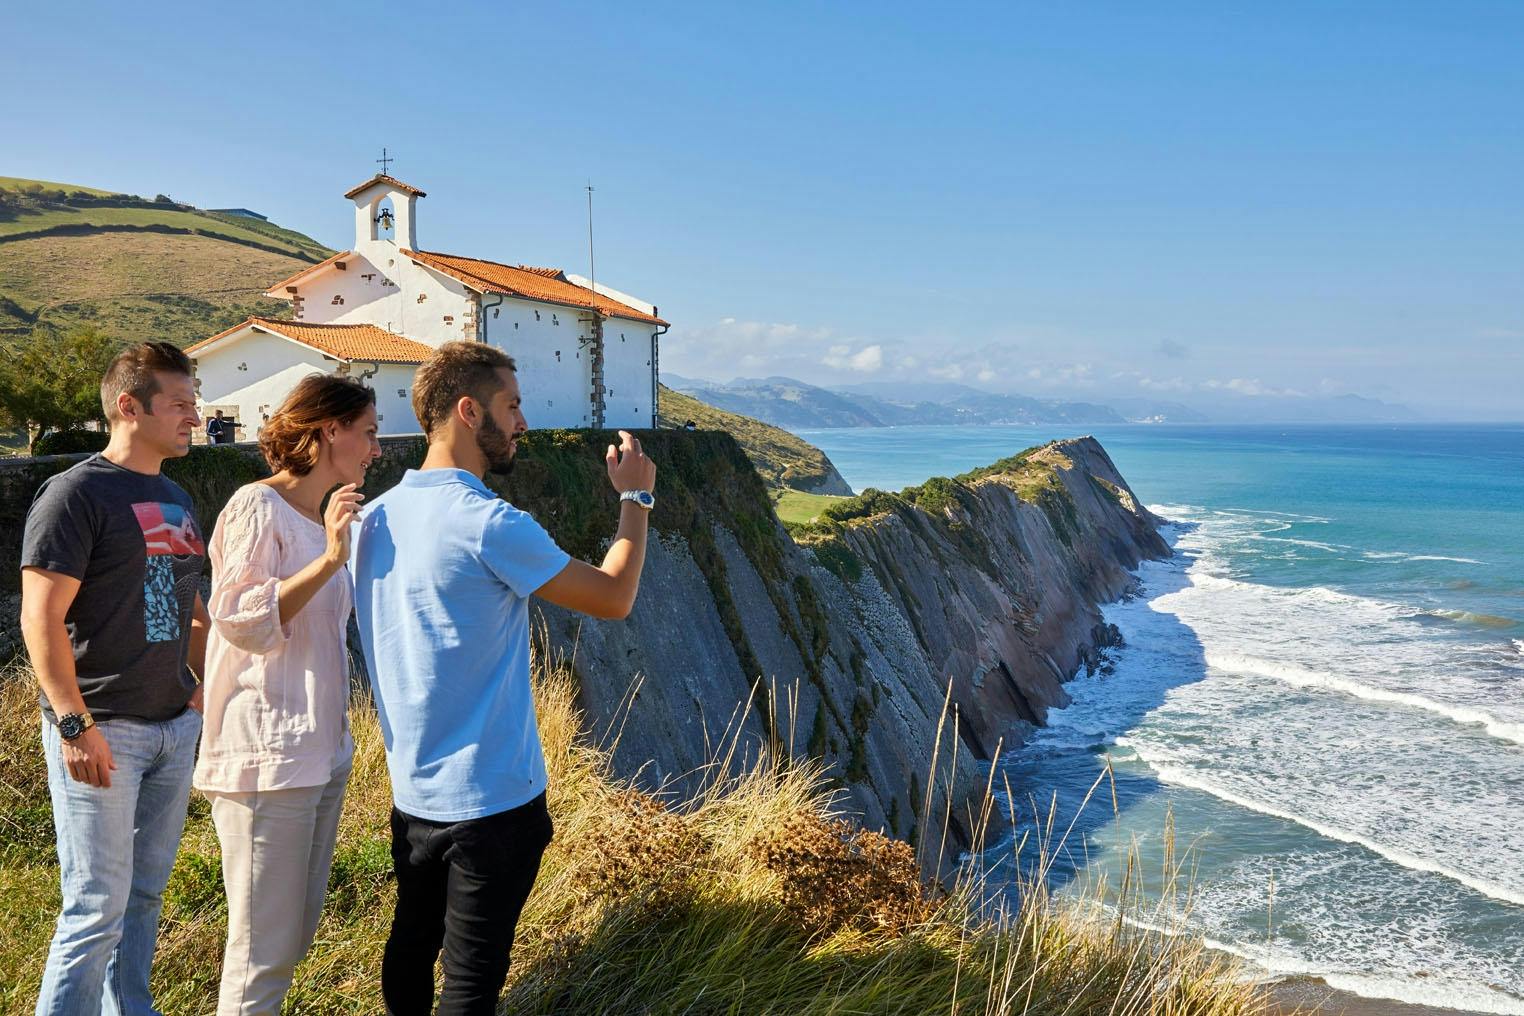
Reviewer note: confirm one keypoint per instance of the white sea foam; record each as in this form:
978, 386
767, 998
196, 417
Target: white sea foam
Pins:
1442, 557
1380, 797
1332, 548
1301, 677
1436, 991
1182, 777
1439, 992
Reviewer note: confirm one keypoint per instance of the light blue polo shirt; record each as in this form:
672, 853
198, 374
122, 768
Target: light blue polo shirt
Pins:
443, 573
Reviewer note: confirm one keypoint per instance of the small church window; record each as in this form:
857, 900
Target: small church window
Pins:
422, 297
515, 325
554, 320
537, 315
338, 301
449, 319
558, 356
401, 393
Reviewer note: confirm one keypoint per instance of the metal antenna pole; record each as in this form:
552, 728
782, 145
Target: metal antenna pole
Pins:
592, 268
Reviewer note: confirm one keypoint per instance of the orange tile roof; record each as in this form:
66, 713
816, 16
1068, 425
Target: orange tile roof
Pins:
279, 288
366, 343
390, 181
529, 283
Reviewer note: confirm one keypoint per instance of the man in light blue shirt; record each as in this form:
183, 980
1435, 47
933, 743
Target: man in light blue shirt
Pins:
443, 571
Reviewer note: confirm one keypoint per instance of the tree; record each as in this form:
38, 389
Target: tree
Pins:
48, 383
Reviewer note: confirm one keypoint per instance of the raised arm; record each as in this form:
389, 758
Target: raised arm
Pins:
608, 591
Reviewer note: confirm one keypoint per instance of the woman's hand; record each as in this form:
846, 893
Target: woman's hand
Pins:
343, 506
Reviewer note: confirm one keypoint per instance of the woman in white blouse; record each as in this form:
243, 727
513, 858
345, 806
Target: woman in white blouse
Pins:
275, 748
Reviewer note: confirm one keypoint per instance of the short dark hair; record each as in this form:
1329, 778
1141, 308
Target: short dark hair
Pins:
289, 438
135, 372
454, 370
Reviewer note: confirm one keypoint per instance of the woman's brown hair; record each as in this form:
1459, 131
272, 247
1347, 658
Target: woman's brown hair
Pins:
289, 439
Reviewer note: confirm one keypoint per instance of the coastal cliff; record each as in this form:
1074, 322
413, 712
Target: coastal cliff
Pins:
857, 624
837, 640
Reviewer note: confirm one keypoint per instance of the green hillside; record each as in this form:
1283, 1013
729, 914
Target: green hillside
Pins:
785, 462
136, 268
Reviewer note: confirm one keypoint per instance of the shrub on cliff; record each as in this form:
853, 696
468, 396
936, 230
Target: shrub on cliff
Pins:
752, 897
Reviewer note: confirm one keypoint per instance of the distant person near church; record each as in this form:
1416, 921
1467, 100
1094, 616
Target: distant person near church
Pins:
111, 564
218, 430
444, 570
276, 751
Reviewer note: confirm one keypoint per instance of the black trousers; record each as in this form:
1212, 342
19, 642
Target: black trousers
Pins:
462, 886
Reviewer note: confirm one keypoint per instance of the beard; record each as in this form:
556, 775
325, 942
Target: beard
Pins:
496, 447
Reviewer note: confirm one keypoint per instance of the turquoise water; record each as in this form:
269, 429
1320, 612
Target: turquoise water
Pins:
1323, 690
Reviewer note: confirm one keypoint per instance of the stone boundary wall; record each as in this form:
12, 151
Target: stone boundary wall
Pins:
209, 473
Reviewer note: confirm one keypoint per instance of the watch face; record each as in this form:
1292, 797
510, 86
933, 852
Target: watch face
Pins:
71, 727
645, 499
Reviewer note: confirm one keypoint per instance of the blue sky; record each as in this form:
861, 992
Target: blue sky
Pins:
1182, 200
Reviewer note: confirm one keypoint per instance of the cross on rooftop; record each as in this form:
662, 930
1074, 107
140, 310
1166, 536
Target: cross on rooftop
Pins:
384, 160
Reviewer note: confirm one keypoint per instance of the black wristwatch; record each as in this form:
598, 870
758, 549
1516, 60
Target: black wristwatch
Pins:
72, 725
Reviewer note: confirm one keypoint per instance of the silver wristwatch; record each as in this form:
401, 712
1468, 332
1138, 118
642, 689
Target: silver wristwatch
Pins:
643, 498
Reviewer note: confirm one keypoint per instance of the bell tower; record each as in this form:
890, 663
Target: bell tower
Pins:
372, 221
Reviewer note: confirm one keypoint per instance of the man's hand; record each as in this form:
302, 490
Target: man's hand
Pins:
88, 758
629, 469
195, 701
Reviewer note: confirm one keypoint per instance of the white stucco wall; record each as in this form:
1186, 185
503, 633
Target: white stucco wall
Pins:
275, 365
552, 365
394, 398
380, 287
253, 371
627, 373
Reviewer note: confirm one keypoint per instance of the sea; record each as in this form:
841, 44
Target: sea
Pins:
1319, 712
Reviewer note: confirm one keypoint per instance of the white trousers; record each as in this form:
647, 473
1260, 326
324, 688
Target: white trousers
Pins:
277, 846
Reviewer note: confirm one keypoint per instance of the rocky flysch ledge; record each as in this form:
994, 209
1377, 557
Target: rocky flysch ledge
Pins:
857, 624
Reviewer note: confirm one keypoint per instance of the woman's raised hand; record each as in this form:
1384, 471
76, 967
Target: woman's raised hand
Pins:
343, 506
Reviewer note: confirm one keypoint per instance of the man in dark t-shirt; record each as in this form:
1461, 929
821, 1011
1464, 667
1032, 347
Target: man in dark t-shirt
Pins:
110, 610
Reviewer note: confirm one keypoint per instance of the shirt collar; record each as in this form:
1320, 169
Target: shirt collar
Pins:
440, 477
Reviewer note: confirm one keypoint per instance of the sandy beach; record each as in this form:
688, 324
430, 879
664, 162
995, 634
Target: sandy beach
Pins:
1311, 995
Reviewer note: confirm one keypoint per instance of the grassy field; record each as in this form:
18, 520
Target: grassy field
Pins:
39, 209
18, 182
149, 271
136, 286
797, 506
751, 898
783, 459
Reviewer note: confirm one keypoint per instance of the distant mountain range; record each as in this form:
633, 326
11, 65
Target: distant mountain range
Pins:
786, 402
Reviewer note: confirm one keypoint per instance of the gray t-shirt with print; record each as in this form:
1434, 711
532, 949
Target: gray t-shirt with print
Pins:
132, 541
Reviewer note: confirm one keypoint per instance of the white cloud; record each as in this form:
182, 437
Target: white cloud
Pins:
867, 360
1252, 386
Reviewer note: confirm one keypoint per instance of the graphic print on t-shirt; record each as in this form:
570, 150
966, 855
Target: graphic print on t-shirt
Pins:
169, 532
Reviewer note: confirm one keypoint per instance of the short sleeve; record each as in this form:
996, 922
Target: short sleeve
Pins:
519, 551
245, 600
60, 531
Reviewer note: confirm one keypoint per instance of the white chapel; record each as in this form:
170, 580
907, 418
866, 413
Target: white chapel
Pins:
586, 354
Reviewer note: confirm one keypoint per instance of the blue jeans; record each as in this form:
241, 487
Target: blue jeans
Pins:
116, 847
